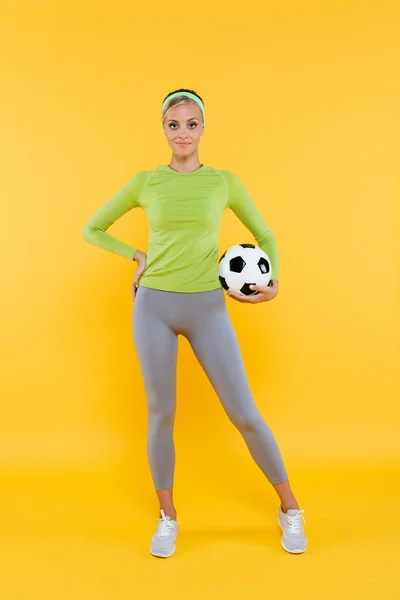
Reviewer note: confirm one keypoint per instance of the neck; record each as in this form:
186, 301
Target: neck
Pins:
185, 164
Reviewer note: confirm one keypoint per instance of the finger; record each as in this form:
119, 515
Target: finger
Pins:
236, 293
134, 290
232, 295
239, 297
137, 274
250, 299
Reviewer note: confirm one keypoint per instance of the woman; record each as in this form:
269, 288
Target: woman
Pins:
180, 294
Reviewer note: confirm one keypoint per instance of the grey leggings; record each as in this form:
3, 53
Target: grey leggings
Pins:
158, 318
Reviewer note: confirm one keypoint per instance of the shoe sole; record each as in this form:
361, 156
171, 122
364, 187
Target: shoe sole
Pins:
294, 551
159, 555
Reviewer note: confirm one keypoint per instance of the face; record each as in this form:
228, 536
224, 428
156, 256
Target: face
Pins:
183, 125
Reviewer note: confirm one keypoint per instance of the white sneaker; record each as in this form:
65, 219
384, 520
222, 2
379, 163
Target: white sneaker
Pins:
163, 541
293, 537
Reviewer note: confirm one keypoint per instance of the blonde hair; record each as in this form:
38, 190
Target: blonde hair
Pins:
177, 100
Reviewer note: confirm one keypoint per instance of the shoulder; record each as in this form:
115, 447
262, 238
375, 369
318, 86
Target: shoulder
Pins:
232, 181
139, 179
228, 176
224, 173
140, 176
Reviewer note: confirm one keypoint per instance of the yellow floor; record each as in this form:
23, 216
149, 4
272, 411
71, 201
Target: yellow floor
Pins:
87, 536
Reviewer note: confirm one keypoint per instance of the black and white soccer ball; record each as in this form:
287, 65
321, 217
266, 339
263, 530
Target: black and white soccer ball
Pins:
244, 265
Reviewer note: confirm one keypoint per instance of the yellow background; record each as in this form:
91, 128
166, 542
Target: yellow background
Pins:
302, 103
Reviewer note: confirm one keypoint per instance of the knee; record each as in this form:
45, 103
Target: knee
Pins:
247, 423
161, 418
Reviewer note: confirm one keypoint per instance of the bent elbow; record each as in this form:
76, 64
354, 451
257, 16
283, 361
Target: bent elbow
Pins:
265, 237
87, 233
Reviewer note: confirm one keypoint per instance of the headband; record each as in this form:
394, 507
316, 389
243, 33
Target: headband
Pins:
189, 95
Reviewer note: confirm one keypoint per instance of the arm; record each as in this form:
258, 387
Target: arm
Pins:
242, 204
123, 200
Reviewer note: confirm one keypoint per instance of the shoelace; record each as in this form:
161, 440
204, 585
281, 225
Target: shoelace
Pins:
164, 527
294, 522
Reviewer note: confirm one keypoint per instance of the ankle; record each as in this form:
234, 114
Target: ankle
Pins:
171, 513
285, 507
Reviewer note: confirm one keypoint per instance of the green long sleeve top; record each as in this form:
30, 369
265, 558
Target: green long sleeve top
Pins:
183, 212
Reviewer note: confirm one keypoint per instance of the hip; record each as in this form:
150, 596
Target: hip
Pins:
179, 310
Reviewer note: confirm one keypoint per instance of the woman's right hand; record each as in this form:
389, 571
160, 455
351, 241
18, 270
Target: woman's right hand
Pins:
141, 259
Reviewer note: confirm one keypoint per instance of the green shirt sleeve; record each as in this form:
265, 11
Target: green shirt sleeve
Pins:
242, 204
123, 200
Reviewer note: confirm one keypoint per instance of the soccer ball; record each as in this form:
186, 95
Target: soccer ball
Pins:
244, 265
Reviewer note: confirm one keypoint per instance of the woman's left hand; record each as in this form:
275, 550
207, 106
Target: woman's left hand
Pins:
265, 293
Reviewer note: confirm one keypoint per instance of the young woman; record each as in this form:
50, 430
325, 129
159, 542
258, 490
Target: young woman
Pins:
176, 290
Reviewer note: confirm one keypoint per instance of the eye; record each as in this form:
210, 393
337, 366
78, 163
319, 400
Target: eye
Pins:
192, 123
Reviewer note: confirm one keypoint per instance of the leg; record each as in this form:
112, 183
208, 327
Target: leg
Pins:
166, 500
286, 496
156, 344
215, 345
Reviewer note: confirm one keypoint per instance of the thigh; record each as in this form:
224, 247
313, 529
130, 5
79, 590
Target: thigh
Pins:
156, 345
216, 347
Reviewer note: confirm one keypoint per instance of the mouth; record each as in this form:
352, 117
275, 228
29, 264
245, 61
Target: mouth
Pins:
183, 143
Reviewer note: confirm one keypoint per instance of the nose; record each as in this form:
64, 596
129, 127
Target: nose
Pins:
183, 135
